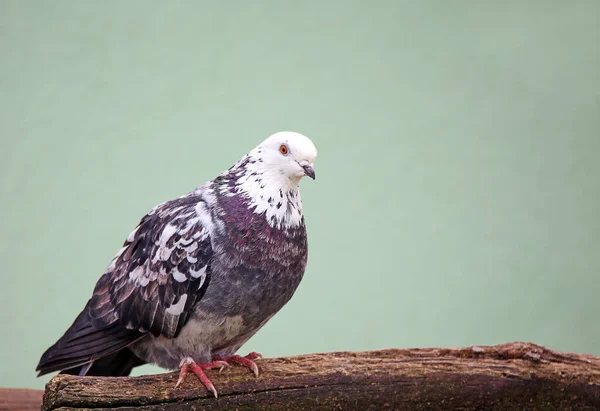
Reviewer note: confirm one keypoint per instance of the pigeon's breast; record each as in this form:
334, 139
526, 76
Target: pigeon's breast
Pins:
246, 238
256, 267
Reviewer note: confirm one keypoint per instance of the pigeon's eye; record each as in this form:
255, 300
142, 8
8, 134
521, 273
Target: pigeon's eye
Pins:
283, 149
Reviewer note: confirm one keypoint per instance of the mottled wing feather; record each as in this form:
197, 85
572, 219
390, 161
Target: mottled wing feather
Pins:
162, 270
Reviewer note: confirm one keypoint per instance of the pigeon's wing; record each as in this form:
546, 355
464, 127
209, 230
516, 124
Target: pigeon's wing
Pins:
150, 286
159, 274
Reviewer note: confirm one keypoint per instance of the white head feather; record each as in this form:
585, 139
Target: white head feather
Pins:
273, 174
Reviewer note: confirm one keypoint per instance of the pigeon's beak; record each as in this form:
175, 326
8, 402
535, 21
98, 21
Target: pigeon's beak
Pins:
308, 169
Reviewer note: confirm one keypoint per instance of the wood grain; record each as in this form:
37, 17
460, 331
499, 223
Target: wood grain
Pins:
514, 376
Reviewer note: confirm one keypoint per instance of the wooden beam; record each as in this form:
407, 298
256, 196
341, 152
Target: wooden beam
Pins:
21, 399
512, 376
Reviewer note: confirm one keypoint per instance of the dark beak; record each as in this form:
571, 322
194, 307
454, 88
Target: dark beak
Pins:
309, 171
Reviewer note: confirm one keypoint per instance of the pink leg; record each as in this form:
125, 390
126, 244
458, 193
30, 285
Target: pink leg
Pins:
188, 364
246, 361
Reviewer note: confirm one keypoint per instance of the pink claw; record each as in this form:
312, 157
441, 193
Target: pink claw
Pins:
188, 364
247, 361
254, 356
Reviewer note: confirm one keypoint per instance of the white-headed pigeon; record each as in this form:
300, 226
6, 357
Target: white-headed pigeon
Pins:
200, 274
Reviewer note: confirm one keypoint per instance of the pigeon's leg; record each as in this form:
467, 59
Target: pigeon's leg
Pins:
246, 361
188, 364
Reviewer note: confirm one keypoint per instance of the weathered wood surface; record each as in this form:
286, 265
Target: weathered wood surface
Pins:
515, 376
20, 399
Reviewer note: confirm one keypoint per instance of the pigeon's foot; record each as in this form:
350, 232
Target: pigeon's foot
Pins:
246, 361
188, 364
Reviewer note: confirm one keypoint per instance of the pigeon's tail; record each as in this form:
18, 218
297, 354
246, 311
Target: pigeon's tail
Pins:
86, 350
118, 364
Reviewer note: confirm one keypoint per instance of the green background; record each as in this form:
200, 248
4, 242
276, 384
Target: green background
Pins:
458, 181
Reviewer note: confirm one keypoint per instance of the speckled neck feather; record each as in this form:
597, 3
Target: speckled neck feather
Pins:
265, 192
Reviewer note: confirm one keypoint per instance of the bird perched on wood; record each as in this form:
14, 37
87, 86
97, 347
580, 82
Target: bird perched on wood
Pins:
200, 274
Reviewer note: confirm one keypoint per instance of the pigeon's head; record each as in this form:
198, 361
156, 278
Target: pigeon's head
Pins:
287, 154
269, 176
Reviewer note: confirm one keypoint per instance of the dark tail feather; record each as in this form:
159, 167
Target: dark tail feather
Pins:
118, 364
83, 344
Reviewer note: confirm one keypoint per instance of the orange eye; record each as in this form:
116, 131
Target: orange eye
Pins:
283, 149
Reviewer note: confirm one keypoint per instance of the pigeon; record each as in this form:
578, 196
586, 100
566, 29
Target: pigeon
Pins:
200, 274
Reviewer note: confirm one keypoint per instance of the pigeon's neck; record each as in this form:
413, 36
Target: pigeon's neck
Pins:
281, 206
267, 192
